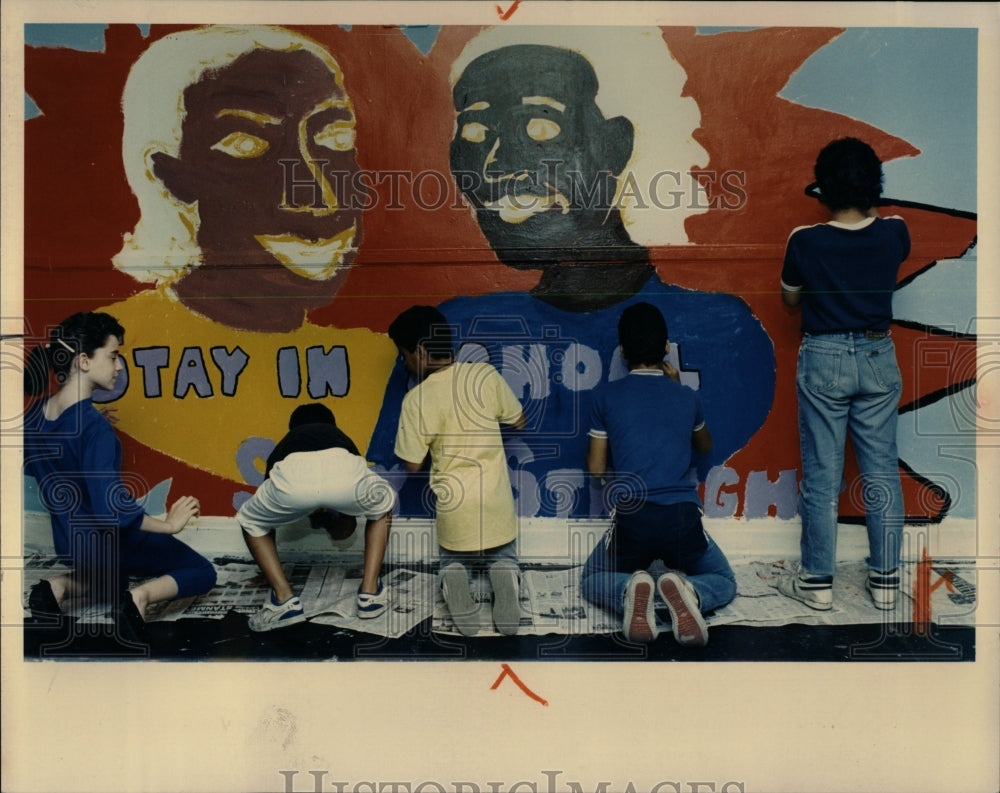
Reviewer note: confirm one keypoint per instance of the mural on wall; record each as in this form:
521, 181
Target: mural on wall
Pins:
256, 206
539, 161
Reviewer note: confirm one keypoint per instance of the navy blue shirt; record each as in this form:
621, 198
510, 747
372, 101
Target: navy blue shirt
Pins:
77, 460
846, 273
648, 420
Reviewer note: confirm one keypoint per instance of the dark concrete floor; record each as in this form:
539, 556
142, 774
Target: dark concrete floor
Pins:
229, 639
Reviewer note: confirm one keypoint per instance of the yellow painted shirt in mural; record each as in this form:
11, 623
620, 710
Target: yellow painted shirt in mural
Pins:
453, 414
218, 398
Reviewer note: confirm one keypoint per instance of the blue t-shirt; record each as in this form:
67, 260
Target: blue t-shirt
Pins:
846, 273
648, 420
554, 359
77, 461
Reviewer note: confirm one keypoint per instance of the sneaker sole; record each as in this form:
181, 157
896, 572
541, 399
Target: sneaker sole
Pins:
689, 626
506, 603
282, 622
463, 610
639, 628
371, 612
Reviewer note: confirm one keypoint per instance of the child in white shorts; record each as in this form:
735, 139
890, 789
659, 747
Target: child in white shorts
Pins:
316, 471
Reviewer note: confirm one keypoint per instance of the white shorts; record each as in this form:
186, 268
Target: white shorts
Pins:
306, 481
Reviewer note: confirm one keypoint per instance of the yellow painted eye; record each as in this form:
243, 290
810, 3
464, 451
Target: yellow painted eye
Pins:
242, 145
338, 136
543, 129
474, 132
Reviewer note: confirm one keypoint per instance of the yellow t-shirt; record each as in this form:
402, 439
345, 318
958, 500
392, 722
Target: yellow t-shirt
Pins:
217, 398
454, 414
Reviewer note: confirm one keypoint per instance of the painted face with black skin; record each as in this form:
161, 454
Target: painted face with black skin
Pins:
534, 155
267, 153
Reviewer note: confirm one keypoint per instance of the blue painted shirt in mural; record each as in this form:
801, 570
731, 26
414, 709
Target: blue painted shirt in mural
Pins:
554, 359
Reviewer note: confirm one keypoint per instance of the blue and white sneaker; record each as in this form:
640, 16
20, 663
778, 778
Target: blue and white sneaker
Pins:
372, 605
884, 587
277, 615
815, 591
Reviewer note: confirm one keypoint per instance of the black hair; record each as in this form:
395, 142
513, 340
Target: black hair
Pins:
425, 326
849, 175
311, 413
84, 332
642, 333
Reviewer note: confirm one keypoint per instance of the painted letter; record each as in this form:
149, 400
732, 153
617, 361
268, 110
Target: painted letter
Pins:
151, 360
289, 379
525, 368
328, 372
191, 373
720, 504
231, 364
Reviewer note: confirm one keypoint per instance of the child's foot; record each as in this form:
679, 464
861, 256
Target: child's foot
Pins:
639, 617
506, 598
42, 602
277, 615
815, 591
455, 588
884, 587
685, 615
129, 622
372, 605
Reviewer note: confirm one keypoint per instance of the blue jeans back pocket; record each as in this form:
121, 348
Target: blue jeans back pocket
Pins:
818, 370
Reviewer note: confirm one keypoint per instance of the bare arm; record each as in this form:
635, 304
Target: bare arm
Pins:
519, 423
183, 509
597, 456
701, 440
791, 298
413, 467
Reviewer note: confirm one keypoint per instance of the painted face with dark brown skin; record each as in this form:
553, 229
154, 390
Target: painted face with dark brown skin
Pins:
267, 152
537, 160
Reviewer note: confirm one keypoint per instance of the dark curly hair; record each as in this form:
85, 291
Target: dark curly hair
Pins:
84, 332
423, 325
849, 175
642, 333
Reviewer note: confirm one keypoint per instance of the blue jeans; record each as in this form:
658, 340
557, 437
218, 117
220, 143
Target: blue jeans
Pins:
672, 534
847, 382
503, 556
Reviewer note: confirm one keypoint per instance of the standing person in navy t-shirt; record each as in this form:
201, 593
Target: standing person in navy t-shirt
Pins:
843, 274
648, 425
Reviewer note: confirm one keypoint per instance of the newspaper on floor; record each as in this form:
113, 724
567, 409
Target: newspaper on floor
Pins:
940, 591
410, 602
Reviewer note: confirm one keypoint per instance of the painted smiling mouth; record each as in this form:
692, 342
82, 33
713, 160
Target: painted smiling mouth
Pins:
314, 259
518, 208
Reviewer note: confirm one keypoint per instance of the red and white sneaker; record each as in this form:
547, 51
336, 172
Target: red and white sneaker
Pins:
689, 626
639, 617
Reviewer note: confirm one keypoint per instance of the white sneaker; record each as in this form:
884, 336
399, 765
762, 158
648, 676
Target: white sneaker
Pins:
277, 615
506, 598
884, 587
639, 616
815, 591
455, 589
681, 598
371, 605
